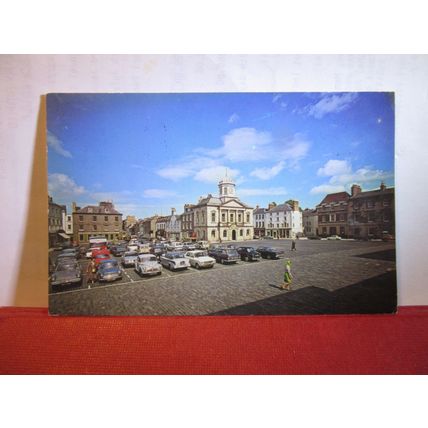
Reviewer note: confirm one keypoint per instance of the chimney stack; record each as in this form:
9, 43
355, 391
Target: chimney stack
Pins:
295, 205
271, 205
355, 189
172, 211
382, 186
73, 207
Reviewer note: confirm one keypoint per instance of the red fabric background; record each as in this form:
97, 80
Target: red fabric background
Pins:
31, 342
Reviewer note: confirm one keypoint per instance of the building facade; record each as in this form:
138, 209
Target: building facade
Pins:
91, 220
147, 227
223, 218
173, 226
310, 223
187, 223
160, 231
259, 222
333, 215
371, 214
284, 220
56, 226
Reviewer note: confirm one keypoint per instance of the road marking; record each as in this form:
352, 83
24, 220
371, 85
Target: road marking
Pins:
126, 273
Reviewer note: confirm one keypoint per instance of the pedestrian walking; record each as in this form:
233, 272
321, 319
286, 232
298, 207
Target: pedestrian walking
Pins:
287, 276
91, 271
293, 245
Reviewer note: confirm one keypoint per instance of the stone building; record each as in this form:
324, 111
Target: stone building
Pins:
333, 215
259, 222
371, 214
310, 223
101, 220
160, 230
284, 220
187, 223
147, 227
56, 225
223, 218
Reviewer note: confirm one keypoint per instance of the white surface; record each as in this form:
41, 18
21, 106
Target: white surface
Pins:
23, 79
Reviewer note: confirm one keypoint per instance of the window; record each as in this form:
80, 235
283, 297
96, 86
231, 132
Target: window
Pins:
223, 217
239, 218
95, 227
248, 232
213, 216
106, 218
81, 227
248, 218
80, 237
68, 226
69, 218
116, 218
231, 217
80, 217
370, 204
241, 233
213, 234
94, 218
224, 233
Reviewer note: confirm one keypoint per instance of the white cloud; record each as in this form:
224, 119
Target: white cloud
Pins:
335, 167
175, 172
57, 145
295, 149
242, 144
233, 118
276, 98
268, 173
215, 173
327, 188
158, 193
362, 175
330, 103
62, 188
266, 191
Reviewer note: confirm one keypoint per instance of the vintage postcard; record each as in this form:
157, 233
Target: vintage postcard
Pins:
221, 203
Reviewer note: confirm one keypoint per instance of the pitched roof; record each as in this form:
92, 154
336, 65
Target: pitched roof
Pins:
260, 211
335, 197
280, 207
371, 193
96, 209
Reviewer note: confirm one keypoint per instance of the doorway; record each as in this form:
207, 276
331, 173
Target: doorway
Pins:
233, 235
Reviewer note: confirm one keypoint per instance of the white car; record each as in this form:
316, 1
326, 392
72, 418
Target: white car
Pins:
334, 238
203, 245
144, 248
175, 246
174, 261
133, 247
200, 259
147, 264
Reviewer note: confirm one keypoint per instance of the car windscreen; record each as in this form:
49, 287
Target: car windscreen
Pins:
66, 267
101, 256
201, 254
174, 255
231, 252
109, 265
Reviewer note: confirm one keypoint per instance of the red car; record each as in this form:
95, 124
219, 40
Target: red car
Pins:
99, 255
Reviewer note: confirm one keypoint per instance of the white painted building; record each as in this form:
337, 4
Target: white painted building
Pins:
173, 226
224, 217
284, 220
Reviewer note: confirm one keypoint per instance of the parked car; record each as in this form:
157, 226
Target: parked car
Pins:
200, 259
128, 258
174, 246
248, 253
174, 261
224, 255
270, 252
387, 237
132, 247
147, 264
66, 274
189, 246
73, 251
101, 256
118, 250
202, 245
62, 257
144, 248
109, 270
158, 249
334, 238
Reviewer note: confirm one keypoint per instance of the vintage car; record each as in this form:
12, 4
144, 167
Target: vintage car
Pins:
128, 258
143, 248
147, 264
224, 255
270, 252
334, 238
94, 247
101, 256
189, 246
132, 246
200, 259
248, 254
109, 270
72, 251
66, 273
174, 261
202, 245
175, 246
158, 249
118, 250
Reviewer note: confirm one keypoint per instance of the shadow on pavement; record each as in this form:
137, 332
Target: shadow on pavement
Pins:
387, 255
371, 296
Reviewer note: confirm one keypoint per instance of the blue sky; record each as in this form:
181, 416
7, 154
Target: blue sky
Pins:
150, 152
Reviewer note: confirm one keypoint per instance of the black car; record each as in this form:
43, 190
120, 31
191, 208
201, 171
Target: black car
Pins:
224, 255
248, 253
118, 250
270, 252
158, 249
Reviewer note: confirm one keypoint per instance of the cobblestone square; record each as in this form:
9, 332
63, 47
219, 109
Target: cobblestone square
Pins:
329, 277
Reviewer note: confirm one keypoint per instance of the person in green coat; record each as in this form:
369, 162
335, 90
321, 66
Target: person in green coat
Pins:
287, 276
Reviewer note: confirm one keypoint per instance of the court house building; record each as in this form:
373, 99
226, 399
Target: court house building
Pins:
223, 218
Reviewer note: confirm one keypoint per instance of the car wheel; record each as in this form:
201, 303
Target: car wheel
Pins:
159, 273
222, 261
197, 266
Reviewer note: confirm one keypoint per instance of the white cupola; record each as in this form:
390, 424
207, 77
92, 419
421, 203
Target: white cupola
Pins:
226, 188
